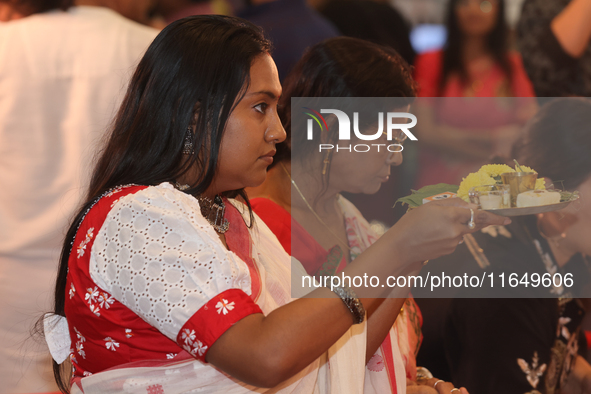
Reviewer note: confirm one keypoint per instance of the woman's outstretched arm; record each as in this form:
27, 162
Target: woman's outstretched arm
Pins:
279, 345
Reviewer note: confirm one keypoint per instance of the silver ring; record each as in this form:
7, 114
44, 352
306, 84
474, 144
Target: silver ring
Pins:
436, 383
452, 390
461, 241
471, 223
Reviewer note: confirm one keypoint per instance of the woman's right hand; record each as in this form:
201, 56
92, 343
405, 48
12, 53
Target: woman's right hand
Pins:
433, 386
436, 228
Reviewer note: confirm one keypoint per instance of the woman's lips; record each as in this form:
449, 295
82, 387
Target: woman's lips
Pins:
268, 157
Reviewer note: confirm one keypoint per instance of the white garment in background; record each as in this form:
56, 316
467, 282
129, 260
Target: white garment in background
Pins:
62, 76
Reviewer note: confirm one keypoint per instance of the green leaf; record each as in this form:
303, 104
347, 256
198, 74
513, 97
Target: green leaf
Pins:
568, 196
416, 198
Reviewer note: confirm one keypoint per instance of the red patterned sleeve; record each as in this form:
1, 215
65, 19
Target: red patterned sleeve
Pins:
213, 319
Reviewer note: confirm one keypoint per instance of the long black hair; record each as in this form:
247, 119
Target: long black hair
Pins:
342, 67
190, 78
497, 42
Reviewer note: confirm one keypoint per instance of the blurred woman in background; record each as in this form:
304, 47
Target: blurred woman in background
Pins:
476, 62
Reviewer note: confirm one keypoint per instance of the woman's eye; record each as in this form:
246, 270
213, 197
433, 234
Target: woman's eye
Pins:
262, 107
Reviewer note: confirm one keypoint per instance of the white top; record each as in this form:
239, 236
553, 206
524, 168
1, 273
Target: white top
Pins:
62, 77
157, 255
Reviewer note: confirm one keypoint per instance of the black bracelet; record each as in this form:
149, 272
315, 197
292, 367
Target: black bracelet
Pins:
351, 302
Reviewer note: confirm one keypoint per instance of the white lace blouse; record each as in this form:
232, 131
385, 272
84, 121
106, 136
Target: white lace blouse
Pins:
157, 255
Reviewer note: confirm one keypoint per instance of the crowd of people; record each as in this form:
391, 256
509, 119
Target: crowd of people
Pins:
154, 219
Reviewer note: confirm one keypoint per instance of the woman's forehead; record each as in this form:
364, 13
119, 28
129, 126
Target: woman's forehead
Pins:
264, 76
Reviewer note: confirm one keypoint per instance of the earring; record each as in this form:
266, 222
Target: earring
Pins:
326, 162
189, 144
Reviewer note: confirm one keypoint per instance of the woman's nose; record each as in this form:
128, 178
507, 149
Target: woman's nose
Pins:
394, 159
276, 132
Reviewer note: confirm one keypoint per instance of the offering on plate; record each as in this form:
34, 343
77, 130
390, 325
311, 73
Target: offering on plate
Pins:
491, 196
536, 198
519, 182
500, 189
494, 174
491, 202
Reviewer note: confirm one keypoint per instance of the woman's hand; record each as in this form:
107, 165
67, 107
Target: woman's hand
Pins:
413, 388
435, 229
432, 386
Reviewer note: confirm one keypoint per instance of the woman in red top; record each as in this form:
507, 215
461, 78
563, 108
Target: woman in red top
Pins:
475, 62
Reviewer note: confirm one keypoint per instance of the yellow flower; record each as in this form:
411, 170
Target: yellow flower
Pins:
527, 169
473, 179
486, 176
494, 170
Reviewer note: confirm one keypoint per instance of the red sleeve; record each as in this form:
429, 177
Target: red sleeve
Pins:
522, 86
213, 319
276, 218
427, 73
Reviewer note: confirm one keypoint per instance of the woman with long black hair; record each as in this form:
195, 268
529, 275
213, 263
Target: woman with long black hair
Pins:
167, 283
475, 62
